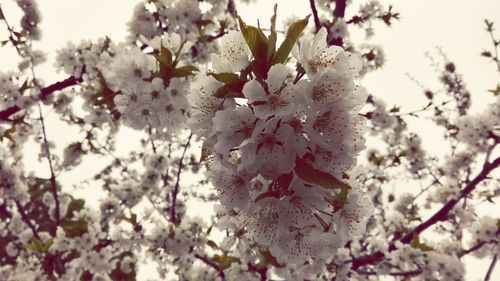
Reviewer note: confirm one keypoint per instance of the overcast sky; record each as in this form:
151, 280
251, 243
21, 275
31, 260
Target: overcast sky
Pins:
454, 25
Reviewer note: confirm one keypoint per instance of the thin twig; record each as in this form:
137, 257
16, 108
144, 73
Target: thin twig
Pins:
53, 182
26, 220
211, 264
44, 94
490, 269
495, 48
173, 215
339, 11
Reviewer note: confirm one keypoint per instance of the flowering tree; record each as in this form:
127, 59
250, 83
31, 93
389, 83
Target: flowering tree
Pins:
267, 125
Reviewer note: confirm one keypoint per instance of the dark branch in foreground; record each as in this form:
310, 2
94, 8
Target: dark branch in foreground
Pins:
173, 215
44, 94
438, 216
340, 6
317, 23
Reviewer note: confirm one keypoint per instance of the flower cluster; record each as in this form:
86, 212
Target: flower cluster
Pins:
279, 148
477, 130
186, 18
122, 82
10, 92
30, 19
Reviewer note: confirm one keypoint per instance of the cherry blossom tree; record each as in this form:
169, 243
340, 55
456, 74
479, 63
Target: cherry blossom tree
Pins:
266, 125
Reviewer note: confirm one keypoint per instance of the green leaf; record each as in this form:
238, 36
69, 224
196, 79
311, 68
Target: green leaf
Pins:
24, 87
325, 180
35, 246
271, 193
184, 71
74, 206
496, 91
258, 44
165, 56
232, 89
271, 50
291, 38
212, 244
201, 22
74, 228
225, 260
225, 77
8, 134
47, 244
415, 243
339, 200
256, 40
38, 246
269, 259
486, 54
395, 109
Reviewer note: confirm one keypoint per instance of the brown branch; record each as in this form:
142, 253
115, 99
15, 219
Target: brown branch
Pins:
26, 220
173, 215
443, 212
339, 11
44, 94
53, 182
438, 216
402, 273
490, 269
317, 23
211, 264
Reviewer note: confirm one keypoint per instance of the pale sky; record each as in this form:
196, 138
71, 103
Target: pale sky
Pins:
454, 25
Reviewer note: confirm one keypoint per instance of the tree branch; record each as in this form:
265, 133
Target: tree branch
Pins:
173, 215
211, 264
443, 212
44, 94
317, 23
26, 220
339, 11
438, 216
490, 269
53, 182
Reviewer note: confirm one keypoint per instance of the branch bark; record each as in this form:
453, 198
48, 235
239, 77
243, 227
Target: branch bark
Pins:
173, 215
339, 11
438, 216
26, 220
317, 23
44, 94
211, 264
490, 269
53, 182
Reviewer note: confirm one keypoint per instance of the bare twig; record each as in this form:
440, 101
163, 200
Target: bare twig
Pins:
317, 23
490, 269
53, 182
44, 94
173, 215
